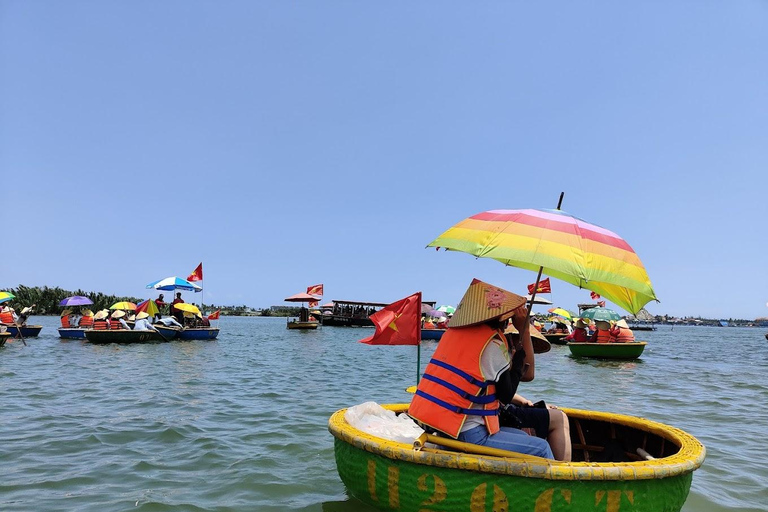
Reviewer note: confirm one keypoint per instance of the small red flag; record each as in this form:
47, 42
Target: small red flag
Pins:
316, 289
214, 316
544, 287
594, 295
397, 324
601, 303
197, 275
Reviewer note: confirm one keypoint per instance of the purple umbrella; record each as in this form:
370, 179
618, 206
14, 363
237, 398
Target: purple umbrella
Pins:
76, 300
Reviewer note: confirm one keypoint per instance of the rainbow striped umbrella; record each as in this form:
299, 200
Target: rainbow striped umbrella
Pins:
567, 248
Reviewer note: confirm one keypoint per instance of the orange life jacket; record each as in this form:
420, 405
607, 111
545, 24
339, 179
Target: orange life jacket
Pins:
602, 336
65, 321
86, 321
622, 335
114, 324
429, 325
6, 318
100, 325
453, 381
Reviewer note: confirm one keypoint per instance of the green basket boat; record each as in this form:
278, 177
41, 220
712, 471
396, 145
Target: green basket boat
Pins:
608, 350
396, 476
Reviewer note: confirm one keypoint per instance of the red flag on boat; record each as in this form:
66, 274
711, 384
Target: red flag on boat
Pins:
214, 316
601, 303
197, 275
316, 289
397, 324
594, 295
544, 287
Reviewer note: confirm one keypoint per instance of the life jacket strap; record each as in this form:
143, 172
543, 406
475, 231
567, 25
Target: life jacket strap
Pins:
456, 409
482, 384
483, 399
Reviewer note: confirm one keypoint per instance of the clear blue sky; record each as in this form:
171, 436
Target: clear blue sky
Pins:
291, 143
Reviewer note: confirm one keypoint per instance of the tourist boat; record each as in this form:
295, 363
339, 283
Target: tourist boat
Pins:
350, 313
198, 333
556, 338
4, 337
643, 327
27, 331
72, 333
122, 336
299, 324
650, 468
608, 350
432, 334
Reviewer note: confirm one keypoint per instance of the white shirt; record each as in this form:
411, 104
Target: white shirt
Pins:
143, 325
169, 321
493, 362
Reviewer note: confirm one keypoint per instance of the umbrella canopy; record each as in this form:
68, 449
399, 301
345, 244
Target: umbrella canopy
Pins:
302, 297
76, 300
188, 308
5, 297
174, 283
447, 309
600, 314
561, 312
148, 306
566, 247
123, 305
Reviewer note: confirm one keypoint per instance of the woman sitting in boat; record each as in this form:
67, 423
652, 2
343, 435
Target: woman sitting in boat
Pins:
471, 373
602, 334
7, 315
579, 334
621, 333
116, 321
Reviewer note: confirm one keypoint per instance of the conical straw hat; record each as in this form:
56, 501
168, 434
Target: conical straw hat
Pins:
483, 302
540, 343
66, 312
86, 312
101, 315
118, 314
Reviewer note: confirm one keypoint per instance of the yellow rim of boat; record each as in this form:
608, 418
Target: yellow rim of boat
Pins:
688, 458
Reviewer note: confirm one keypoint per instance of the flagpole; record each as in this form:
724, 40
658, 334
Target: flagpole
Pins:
418, 346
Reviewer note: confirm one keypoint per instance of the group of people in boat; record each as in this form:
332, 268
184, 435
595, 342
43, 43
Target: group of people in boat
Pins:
434, 323
469, 388
605, 332
8, 316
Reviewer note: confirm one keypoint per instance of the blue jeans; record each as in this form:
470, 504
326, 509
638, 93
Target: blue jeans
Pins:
510, 439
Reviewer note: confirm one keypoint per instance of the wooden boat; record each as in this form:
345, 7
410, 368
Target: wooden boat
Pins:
557, 339
169, 332
392, 475
72, 333
349, 313
298, 324
122, 336
4, 336
608, 350
27, 331
643, 327
198, 333
432, 334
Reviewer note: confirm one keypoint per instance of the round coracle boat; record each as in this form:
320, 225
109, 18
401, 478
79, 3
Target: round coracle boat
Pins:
631, 350
198, 333
122, 336
432, 334
72, 333
298, 324
621, 463
27, 331
556, 338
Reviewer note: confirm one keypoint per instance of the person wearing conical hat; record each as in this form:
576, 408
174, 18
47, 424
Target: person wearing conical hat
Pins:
579, 334
602, 334
66, 321
621, 333
142, 324
471, 373
117, 321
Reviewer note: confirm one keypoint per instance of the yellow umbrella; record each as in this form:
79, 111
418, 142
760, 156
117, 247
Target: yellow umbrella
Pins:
123, 305
189, 308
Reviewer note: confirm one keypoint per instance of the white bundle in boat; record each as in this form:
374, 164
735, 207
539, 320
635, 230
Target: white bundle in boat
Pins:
373, 419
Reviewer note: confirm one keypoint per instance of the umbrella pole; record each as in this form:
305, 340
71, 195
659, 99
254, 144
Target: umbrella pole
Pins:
541, 269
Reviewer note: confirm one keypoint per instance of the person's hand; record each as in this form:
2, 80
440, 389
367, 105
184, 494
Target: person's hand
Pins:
518, 318
527, 403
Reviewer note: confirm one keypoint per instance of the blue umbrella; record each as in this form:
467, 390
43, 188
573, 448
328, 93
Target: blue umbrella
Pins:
174, 283
76, 300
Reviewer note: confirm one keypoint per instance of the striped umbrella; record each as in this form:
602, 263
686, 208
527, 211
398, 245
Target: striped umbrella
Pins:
6, 296
561, 246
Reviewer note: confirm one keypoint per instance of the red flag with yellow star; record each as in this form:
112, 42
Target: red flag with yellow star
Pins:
397, 324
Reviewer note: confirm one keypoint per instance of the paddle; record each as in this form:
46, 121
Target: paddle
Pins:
19, 335
161, 335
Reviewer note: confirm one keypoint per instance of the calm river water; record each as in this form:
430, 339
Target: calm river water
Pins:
240, 423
